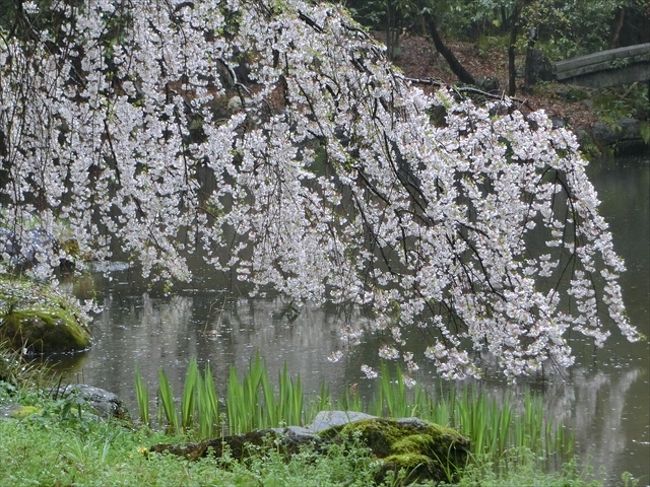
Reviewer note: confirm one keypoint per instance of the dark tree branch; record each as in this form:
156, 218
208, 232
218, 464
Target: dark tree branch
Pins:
463, 75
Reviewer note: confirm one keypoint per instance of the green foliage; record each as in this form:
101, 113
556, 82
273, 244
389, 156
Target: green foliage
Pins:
190, 391
252, 403
496, 427
393, 17
18, 371
207, 404
487, 44
566, 29
612, 104
44, 449
524, 472
644, 129
62, 444
166, 397
142, 397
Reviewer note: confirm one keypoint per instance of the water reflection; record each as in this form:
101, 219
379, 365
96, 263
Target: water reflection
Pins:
152, 332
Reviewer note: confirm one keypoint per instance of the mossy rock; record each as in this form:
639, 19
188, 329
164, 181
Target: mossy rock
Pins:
22, 412
36, 317
288, 441
421, 450
410, 449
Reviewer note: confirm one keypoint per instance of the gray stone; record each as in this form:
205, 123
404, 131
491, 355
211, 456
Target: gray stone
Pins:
328, 419
537, 67
603, 133
558, 122
491, 85
296, 432
105, 403
624, 136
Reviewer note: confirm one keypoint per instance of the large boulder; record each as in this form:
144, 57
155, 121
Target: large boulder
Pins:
421, 450
38, 318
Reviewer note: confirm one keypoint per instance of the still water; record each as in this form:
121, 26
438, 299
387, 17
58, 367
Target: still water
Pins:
604, 399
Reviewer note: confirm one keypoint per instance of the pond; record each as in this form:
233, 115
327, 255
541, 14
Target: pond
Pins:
605, 398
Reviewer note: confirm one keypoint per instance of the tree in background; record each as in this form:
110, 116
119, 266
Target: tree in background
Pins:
278, 142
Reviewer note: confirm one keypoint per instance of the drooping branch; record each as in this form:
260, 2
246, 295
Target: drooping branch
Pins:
321, 174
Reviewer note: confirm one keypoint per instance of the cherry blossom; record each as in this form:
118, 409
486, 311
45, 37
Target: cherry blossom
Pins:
276, 141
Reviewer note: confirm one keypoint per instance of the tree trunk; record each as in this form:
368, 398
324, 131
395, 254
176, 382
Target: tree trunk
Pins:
532, 64
615, 40
512, 70
463, 75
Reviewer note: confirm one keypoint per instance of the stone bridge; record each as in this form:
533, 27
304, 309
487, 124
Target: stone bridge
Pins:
606, 68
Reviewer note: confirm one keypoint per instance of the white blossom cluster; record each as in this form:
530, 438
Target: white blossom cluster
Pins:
279, 132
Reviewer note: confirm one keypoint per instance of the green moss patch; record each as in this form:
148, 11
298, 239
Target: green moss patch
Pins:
22, 412
37, 317
420, 450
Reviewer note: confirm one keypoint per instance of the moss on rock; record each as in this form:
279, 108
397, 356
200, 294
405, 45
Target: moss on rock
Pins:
37, 317
22, 412
412, 449
422, 450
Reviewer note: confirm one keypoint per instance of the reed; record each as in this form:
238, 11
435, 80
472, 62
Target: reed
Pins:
166, 397
19, 370
142, 397
497, 428
207, 404
190, 391
253, 403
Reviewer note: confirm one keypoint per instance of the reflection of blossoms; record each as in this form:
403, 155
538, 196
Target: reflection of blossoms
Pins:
330, 180
388, 353
335, 356
411, 366
369, 372
408, 381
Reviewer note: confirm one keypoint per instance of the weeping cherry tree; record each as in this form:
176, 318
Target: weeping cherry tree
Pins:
276, 140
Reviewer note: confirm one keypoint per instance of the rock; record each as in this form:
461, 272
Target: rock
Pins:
286, 440
558, 122
537, 67
604, 133
17, 411
105, 403
491, 85
22, 412
328, 419
40, 319
425, 451
624, 137
297, 434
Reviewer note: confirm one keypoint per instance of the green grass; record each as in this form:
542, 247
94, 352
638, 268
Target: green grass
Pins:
61, 445
51, 449
16, 369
